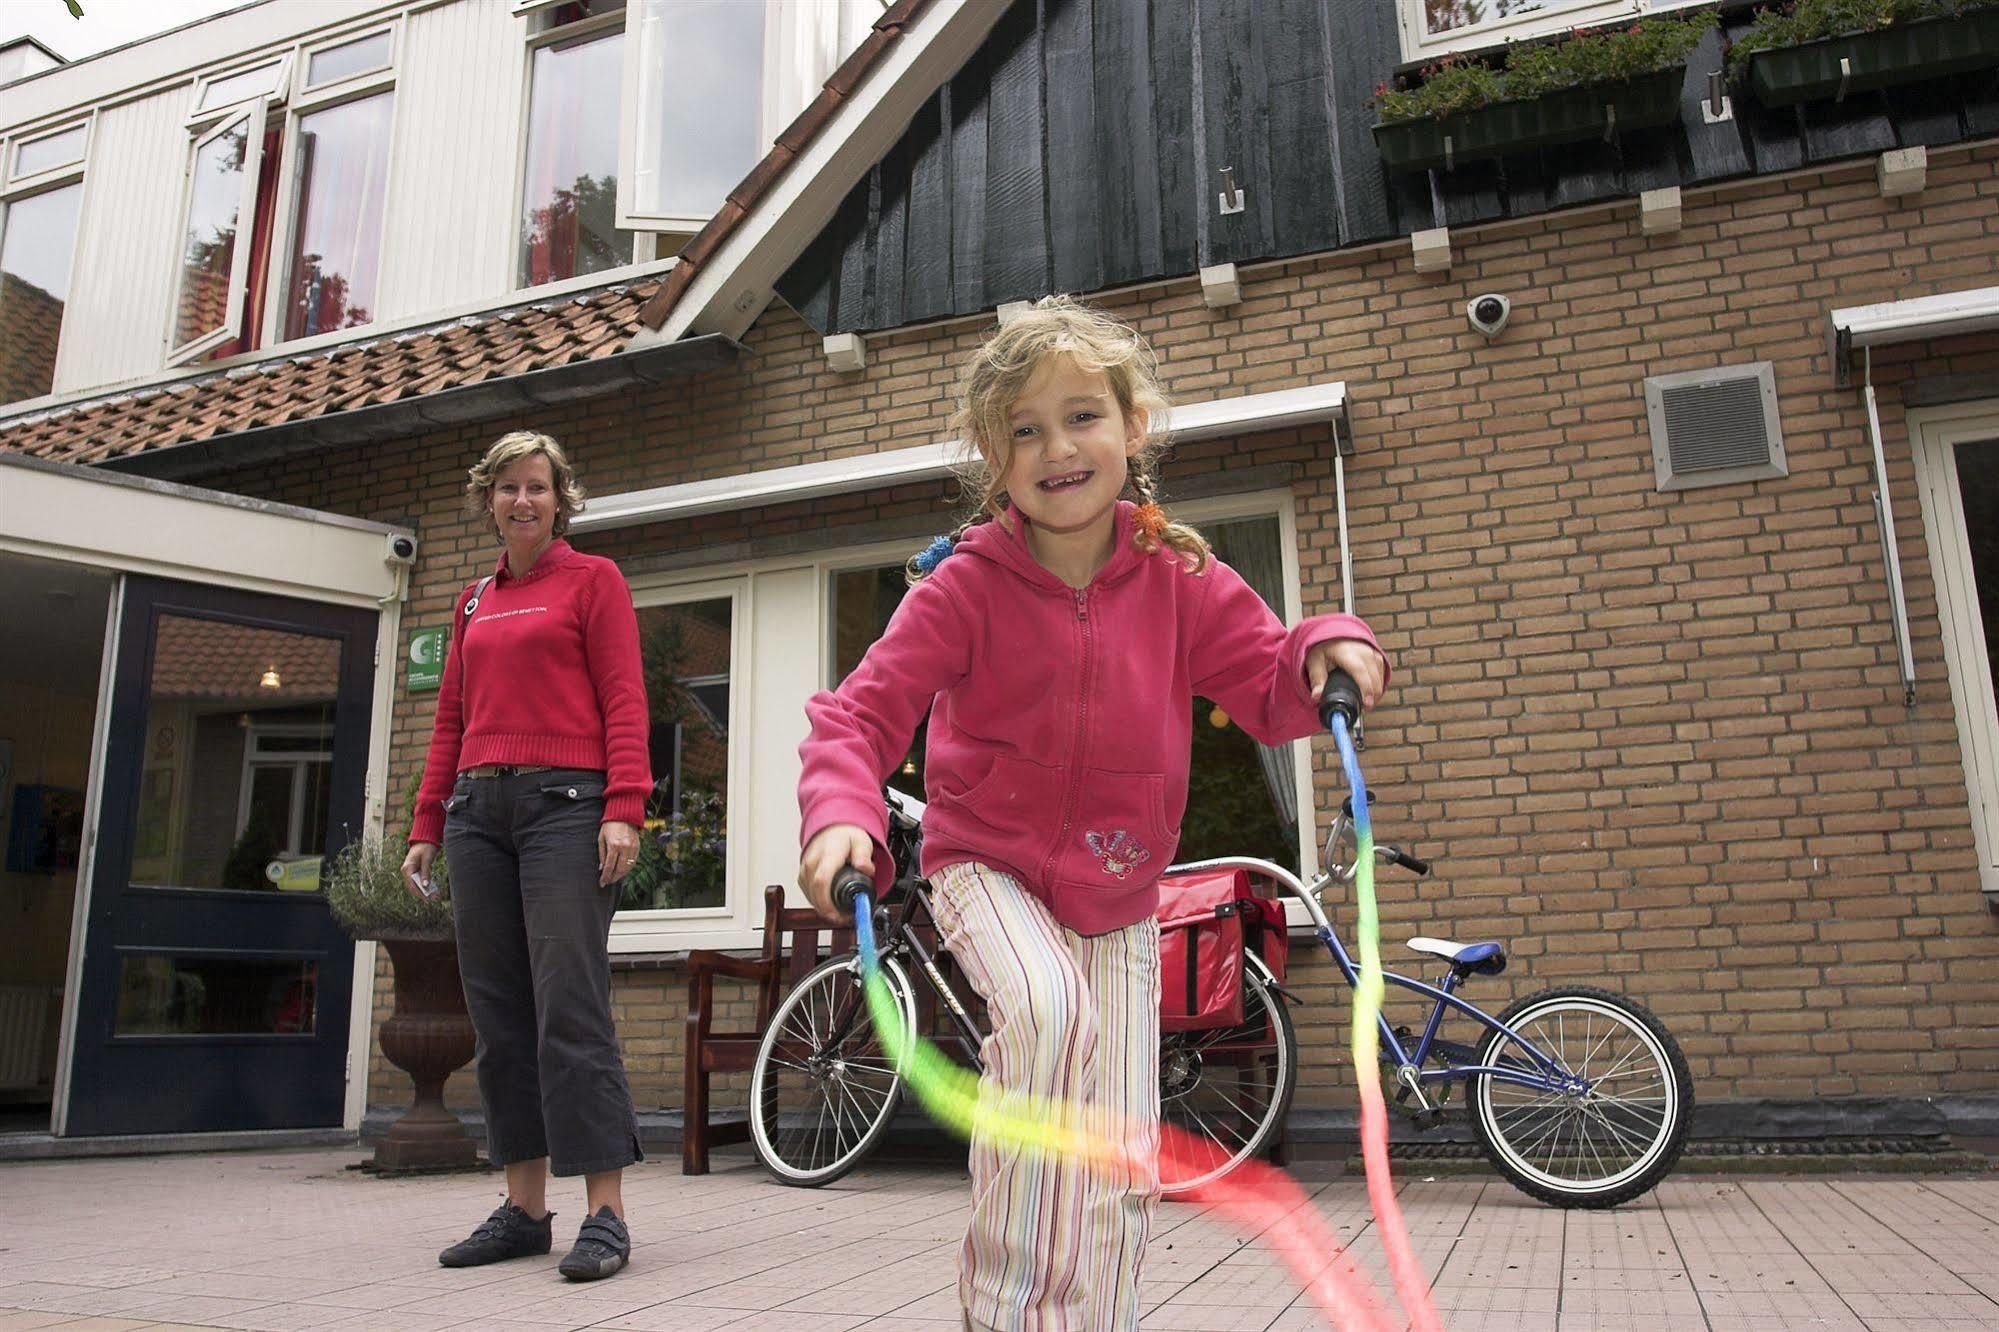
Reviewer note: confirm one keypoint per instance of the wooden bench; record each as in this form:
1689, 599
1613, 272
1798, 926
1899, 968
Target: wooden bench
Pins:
791, 948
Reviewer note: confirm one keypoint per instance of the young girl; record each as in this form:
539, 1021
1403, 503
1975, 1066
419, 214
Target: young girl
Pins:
1062, 641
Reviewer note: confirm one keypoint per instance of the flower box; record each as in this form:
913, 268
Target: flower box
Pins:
1906, 53
1568, 116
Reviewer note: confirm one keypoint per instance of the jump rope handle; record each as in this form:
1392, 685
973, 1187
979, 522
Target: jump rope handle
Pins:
1341, 696
849, 884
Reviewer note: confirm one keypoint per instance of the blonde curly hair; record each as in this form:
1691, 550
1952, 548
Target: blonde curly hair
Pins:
511, 448
999, 371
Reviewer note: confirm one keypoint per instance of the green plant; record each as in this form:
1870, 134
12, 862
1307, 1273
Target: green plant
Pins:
1534, 69
255, 849
366, 894
1816, 20
683, 857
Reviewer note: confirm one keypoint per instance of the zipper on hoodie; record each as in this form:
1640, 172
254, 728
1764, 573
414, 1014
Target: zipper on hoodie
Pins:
1076, 747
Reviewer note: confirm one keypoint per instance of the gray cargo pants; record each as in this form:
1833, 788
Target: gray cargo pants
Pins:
533, 928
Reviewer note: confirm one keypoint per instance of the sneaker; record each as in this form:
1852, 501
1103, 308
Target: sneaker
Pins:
603, 1246
508, 1233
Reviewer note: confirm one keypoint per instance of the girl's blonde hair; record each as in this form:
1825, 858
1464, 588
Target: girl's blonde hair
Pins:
997, 374
509, 449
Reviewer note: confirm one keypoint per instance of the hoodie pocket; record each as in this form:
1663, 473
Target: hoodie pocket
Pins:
1118, 838
1005, 812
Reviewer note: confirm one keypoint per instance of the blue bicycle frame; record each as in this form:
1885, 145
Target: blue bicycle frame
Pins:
1545, 1075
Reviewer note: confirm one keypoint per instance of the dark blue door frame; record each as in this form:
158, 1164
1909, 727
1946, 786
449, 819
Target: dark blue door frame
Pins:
204, 1083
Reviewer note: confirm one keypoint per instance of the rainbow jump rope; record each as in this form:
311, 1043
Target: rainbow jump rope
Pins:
1255, 1197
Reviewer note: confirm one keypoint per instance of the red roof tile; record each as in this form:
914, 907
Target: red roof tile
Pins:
395, 366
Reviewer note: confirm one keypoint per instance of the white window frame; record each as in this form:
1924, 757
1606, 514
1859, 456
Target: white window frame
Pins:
296, 759
645, 245
1419, 45
53, 177
307, 96
1934, 434
649, 931
253, 113
200, 119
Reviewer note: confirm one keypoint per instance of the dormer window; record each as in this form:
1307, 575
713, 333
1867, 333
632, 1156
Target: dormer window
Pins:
1439, 27
41, 192
569, 180
288, 162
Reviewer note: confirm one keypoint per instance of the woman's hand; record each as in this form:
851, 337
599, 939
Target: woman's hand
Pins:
831, 850
416, 868
1356, 658
617, 848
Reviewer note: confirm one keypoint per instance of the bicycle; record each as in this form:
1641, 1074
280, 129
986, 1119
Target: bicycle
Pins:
1578, 1096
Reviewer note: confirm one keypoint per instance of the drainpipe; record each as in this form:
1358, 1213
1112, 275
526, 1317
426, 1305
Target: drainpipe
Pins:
1884, 513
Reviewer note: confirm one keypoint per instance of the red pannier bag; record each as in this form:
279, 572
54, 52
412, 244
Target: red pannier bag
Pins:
1200, 950
1206, 920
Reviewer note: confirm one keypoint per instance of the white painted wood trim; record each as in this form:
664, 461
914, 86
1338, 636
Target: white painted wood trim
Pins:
1283, 408
1922, 317
1934, 433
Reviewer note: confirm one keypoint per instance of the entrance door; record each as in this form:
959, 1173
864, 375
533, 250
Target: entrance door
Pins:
216, 988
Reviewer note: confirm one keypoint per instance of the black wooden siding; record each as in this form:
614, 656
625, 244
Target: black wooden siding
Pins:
1082, 147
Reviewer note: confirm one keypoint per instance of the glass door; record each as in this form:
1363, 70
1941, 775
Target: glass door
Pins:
216, 988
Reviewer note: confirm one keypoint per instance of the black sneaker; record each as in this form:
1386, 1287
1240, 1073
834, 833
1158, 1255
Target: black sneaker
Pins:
603, 1246
508, 1233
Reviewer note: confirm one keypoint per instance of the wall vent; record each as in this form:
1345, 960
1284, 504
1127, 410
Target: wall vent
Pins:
1715, 427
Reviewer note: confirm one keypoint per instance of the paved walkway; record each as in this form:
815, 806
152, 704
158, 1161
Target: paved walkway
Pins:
295, 1240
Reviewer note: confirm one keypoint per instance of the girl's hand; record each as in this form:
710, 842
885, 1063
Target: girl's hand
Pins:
831, 850
1353, 656
617, 848
416, 868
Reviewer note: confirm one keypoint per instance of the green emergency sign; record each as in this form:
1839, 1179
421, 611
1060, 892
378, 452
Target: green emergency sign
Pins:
426, 659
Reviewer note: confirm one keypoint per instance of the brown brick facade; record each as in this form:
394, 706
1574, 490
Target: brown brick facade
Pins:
1656, 741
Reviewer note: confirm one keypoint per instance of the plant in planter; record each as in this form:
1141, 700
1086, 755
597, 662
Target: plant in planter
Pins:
1817, 49
682, 860
1583, 86
429, 1035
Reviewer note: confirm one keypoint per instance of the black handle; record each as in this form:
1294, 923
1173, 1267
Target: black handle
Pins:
1342, 696
1409, 862
849, 884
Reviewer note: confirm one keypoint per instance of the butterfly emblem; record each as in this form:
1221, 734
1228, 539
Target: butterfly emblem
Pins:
1119, 850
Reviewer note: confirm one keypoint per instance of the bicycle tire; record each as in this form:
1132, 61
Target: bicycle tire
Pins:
1193, 1096
815, 1116
1594, 1152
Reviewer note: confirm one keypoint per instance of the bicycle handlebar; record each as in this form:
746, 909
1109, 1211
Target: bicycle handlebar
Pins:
849, 884
1340, 696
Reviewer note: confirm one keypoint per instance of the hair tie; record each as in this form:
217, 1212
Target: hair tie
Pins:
1149, 521
932, 555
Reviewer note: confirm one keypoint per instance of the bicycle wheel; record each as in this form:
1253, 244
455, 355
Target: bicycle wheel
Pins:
1594, 1149
1229, 1087
822, 1090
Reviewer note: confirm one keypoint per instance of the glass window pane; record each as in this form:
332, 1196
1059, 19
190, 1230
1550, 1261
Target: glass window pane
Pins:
1447, 16
343, 167
863, 601
211, 816
50, 152
683, 856
161, 995
700, 101
347, 59
1241, 796
208, 252
253, 82
569, 203
35, 254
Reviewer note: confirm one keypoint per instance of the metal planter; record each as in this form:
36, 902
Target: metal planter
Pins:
1863, 61
1568, 116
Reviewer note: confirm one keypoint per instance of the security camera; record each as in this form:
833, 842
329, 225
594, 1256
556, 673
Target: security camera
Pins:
401, 550
1489, 313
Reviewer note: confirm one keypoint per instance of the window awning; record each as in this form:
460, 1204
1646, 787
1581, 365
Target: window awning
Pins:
1924, 317
1283, 408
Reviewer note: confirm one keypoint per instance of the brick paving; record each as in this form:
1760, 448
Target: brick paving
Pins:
289, 1240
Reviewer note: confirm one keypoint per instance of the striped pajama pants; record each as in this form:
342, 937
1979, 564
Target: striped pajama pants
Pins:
1055, 1247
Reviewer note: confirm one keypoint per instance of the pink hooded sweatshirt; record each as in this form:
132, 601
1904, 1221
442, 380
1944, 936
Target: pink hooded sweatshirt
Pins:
1060, 739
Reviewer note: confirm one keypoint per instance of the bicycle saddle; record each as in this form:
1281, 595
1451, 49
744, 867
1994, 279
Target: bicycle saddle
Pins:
1486, 958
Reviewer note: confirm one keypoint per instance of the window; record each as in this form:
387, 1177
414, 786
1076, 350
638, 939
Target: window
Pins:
41, 197
569, 184
37, 236
688, 651
696, 81
1436, 27
283, 219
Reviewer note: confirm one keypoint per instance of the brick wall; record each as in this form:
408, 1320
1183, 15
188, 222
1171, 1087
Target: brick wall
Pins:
1655, 740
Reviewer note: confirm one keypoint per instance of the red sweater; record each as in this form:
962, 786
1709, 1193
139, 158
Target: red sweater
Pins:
546, 671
